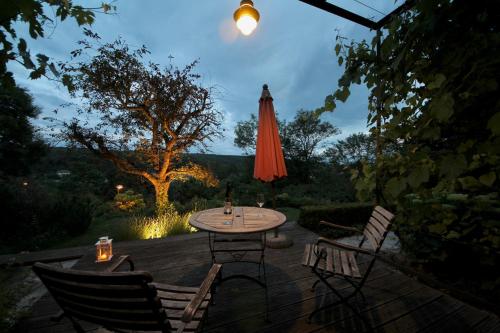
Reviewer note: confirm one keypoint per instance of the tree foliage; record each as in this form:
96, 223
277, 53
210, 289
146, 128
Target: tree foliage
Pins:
246, 133
306, 134
434, 86
36, 15
301, 139
147, 115
20, 145
352, 150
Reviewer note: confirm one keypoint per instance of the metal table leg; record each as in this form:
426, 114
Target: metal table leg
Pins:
238, 255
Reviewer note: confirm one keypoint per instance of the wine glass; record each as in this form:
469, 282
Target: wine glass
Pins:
260, 199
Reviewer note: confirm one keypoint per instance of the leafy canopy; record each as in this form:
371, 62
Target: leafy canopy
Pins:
36, 14
20, 144
434, 86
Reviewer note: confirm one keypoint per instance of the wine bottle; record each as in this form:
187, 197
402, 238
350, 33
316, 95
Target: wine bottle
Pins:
228, 201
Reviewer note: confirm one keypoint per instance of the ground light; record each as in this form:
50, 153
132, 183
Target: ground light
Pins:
246, 17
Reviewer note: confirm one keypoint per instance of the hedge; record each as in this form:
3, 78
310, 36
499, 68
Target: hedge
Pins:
348, 214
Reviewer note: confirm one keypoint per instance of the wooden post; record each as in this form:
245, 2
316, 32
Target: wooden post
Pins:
378, 143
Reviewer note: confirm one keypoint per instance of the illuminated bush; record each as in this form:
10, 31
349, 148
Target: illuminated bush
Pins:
169, 223
129, 201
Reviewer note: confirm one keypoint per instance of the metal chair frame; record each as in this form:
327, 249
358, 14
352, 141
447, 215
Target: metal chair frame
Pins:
323, 275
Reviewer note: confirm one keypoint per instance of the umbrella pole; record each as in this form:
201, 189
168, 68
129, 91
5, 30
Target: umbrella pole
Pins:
277, 241
273, 190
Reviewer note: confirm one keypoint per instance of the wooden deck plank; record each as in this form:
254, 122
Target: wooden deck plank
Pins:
292, 318
394, 300
422, 317
466, 319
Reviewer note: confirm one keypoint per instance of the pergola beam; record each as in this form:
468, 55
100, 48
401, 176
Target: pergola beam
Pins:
404, 7
331, 8
353, 17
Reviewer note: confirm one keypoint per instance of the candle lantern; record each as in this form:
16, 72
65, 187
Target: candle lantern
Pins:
104, 249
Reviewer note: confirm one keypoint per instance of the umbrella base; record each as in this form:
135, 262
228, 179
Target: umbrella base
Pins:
280, 242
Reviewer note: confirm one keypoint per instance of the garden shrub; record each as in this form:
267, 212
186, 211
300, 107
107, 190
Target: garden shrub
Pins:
32, 220
129, 201
72, 215
347, 214
452, 231
168, 223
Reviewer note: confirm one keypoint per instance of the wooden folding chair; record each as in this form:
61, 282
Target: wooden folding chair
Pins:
127, 301
329, 258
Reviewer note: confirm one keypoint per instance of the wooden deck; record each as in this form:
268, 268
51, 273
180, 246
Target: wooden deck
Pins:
394, 301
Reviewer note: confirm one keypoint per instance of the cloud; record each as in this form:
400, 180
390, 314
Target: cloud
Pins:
291, 50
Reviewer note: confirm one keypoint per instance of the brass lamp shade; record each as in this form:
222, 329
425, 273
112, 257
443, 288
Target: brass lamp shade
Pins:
246, 17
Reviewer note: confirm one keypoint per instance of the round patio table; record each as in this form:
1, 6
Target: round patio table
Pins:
243, 220
234, 236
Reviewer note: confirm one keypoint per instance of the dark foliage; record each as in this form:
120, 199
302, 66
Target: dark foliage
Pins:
20, 146
347, 214
32, 220
37, 16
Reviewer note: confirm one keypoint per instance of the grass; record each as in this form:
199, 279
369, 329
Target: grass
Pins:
292, 214
116, 227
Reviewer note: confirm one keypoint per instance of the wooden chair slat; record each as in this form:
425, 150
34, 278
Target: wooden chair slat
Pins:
337, 266
193, 325
346, 270
353, 264
322, 263
177, 296
115, 323
198, 299
372, 230
90, 285
385, 222
177, 314
384, 212
306, 257
377, 225
343, 259
173, 288
180, 304
117, 301
329, 259
371, 239
119, 314
102, 278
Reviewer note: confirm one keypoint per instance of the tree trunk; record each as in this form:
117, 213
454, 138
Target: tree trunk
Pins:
161, 191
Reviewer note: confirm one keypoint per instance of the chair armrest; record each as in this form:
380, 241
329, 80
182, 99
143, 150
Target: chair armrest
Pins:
344, 246
337, 226
205, 287
120, 262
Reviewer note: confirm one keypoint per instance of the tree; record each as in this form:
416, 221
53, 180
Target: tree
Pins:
352, 150
246, 133
434, 87
148, 116
305, 135
20, 146
34, 13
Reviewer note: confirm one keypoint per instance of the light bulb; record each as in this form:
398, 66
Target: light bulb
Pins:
246, 17
246, 24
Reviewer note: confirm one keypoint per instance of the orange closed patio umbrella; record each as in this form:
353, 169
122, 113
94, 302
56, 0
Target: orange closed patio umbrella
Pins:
269, 160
